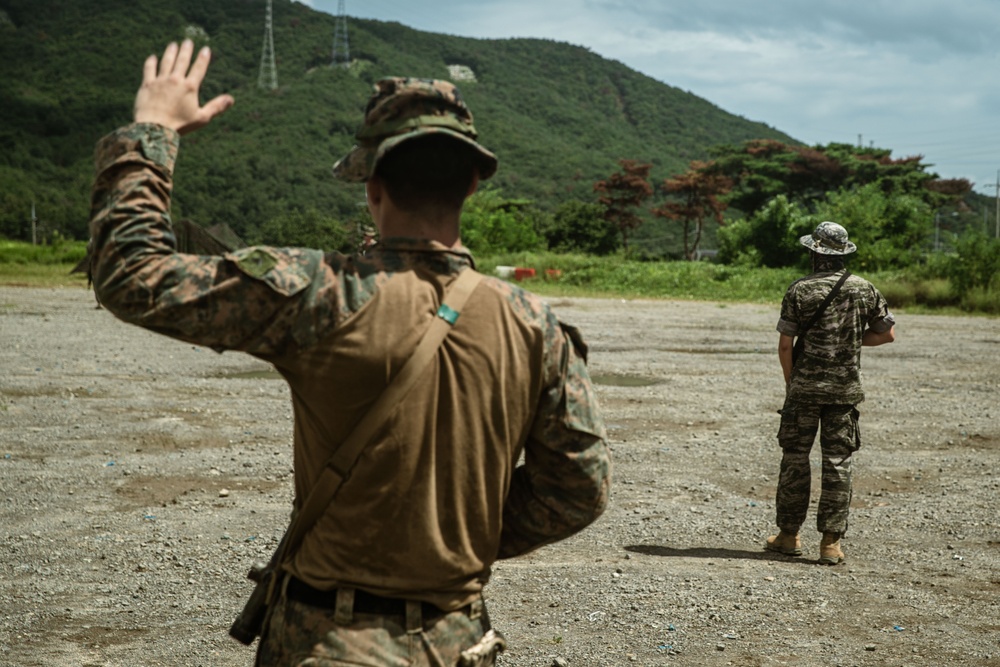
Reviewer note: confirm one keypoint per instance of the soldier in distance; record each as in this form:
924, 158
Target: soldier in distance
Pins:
823, 387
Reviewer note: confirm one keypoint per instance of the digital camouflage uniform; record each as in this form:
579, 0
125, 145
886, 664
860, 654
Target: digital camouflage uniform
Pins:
823, 393
438, 496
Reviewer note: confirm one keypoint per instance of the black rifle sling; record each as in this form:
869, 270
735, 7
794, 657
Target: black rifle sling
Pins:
338, 467
800, 342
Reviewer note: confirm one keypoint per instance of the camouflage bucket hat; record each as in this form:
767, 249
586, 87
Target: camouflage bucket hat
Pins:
402, 109
828, 238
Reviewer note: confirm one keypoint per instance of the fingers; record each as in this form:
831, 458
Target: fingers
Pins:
197, 73
169, 92
216, 106
183, 58
206, 113
167, 61
176, 60
149, 69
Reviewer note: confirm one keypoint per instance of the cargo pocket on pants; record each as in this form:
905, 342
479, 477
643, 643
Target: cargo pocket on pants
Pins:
855, 415
788, 428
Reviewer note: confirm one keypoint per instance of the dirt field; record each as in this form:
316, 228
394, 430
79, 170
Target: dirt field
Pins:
139, 477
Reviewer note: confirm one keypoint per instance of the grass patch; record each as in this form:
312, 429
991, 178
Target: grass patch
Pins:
41, 275
45, 265
979, 300
58, 251
904, 292
559, 275
582, 275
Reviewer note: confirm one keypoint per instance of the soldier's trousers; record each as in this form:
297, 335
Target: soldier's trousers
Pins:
839, 438
302, 635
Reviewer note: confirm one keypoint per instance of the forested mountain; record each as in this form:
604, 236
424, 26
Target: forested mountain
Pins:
558, 116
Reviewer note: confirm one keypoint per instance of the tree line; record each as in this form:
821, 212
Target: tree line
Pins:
758, 198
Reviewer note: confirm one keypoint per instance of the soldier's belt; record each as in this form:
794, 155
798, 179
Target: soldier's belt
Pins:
364, 602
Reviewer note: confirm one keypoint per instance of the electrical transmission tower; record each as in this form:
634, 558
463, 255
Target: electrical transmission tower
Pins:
268, 77
341, 49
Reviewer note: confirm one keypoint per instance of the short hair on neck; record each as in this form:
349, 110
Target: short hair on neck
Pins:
429, 173
828, 262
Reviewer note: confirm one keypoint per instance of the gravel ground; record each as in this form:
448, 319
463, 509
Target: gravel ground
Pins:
139, 477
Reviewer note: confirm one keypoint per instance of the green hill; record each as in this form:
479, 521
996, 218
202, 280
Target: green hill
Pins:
558, 116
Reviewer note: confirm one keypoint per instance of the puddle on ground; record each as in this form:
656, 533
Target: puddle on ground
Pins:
614, 380
252, 375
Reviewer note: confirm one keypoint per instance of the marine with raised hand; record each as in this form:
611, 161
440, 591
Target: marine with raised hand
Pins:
393, 570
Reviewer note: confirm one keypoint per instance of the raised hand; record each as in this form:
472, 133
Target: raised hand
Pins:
169, 91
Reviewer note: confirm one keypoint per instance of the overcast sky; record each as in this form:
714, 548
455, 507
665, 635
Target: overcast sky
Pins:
919, 77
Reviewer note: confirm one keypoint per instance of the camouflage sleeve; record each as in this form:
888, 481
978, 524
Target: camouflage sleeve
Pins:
565, 480
788, 321
256, 300
880, 318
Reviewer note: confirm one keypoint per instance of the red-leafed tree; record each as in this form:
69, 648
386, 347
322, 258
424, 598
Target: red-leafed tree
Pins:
623, 193
695, 198
762, 169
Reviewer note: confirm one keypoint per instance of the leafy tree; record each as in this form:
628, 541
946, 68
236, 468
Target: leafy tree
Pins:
764, 168
492, 224
769, 237
976, 263
306, 229
622, 193
697, 195
580, 227
891, 231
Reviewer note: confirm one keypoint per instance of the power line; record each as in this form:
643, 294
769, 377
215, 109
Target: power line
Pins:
341, 47
268, 77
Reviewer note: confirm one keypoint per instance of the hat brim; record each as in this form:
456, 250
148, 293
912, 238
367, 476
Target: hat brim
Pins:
814, 245
360, 163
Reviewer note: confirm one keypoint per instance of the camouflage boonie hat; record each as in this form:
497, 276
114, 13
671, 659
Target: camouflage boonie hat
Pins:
404, 108
828, 238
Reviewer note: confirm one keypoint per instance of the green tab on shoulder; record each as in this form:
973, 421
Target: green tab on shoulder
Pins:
255, 262
447, 313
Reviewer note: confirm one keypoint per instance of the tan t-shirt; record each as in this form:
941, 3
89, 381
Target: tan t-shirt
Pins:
437, 497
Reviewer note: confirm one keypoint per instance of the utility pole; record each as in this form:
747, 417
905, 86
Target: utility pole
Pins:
268, 77
341, 48
34, 225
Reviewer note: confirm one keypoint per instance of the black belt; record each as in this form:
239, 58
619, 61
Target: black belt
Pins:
364, 602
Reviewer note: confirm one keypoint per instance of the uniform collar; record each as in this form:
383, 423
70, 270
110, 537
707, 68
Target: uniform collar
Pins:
459, 256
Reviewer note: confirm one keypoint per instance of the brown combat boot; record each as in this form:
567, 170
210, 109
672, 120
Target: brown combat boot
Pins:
784, 543
829, 549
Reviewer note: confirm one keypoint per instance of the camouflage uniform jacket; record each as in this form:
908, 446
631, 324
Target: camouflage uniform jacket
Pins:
437, 497
829, 371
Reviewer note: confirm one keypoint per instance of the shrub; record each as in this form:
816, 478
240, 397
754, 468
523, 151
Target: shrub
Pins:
59, 250
982, 301
904, 291
976, 264
580, 227
492, 224
890, 232
769, 237
304, 229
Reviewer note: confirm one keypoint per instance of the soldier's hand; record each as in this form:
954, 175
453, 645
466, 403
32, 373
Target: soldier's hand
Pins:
169, 91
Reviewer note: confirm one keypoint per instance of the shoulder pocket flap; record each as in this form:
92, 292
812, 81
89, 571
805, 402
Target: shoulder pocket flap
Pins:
277, 269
